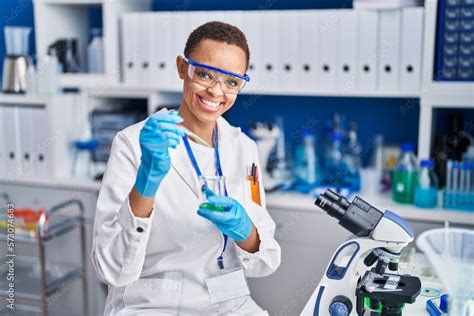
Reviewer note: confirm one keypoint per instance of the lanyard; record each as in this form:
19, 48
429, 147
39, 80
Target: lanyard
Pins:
220, 259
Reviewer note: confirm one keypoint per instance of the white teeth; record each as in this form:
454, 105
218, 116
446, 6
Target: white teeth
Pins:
209, 103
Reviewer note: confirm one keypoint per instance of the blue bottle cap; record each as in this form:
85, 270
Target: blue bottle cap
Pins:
427, 163
407, 147
455, 164
466, 165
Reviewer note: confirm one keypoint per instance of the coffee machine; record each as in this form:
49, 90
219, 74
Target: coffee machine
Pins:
17, 60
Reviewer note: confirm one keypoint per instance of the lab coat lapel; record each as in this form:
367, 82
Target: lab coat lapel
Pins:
182, 165
228, 146
228, 137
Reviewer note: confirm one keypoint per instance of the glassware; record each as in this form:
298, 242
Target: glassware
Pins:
404, 175
426, 192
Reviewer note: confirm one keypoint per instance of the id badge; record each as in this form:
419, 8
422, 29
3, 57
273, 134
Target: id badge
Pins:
226, 284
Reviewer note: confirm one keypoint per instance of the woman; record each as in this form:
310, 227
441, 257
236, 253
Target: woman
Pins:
157, 247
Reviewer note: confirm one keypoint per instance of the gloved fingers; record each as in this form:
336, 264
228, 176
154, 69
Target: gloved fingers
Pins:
170, 127
213, 215
219, 200
162, 145
170, 117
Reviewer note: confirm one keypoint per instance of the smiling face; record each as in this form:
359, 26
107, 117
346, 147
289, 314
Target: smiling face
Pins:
207, 104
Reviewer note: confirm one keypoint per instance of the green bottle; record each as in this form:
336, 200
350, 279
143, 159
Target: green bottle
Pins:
405, 176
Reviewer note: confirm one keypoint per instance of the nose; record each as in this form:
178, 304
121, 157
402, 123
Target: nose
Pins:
216, 89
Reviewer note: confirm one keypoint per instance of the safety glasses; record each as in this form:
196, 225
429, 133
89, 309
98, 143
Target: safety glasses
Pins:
206, 76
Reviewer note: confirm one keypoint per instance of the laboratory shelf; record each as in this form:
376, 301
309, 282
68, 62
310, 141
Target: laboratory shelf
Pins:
305, 203
27, 278
316, 93
58, 183
28, 311
59, 225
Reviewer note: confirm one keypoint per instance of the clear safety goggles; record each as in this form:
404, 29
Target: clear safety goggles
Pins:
207, 76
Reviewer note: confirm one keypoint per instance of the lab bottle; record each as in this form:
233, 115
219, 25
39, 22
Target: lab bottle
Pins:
404, 175
305, 160
426, 192
95, 53
336, 171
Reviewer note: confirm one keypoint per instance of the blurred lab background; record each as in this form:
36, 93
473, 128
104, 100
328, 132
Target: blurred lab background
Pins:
369, 98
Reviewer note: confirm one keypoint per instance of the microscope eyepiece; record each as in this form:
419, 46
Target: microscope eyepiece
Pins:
359, 217
335, 205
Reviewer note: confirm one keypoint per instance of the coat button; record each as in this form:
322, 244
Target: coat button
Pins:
139, 229
245, 259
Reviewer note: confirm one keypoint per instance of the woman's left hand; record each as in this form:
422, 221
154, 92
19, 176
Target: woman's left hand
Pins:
232, 221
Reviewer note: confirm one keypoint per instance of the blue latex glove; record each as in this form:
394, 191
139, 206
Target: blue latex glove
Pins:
159, 133
232, 221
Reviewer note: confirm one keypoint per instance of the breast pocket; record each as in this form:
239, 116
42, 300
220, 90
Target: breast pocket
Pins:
160, 294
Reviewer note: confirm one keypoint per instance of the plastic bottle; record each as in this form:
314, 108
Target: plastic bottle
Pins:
336, 171
404, 175
306, 161
426, 192
95, 53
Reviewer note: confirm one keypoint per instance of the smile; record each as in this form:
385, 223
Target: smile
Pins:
209, 105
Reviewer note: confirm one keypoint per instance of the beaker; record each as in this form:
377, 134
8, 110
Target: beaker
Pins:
216, 184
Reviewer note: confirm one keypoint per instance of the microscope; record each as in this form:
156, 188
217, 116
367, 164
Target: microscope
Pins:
356, 281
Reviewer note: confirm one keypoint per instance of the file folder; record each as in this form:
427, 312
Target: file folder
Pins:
3, 145
347, 51
411, 49
41, 143
308, 28
272, 74
144, 48
181, 27
327, 61
130, 64
165, 56
154, 52
367, 54
26, 141
12, 147
289, 42
389, 50
252, 26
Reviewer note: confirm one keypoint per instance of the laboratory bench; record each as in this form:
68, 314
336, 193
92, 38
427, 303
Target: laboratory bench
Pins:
307, 235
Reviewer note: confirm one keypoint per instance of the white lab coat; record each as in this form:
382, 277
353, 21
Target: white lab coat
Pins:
162, 269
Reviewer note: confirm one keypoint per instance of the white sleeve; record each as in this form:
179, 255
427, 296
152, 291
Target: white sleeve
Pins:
267, 259
120, 239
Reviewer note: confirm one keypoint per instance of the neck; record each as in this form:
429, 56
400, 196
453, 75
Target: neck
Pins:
204, 130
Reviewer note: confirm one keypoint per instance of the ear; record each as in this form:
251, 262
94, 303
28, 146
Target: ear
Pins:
181, 66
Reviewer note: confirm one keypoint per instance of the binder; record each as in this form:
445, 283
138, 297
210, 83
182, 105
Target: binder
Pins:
41, 142
272, 75
389, 50
180, 24
12, 147
130, 49
411, 49
165, 61
289, 41
347, 51
26, 141
308, 26
154, 51
144, 53
367, 55
3, 151
252, 26
327, 61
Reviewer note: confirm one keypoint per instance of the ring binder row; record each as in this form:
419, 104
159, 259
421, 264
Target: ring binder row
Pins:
35, 139
291, 50
455, 41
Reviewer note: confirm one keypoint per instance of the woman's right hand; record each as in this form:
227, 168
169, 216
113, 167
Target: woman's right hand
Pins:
159, 133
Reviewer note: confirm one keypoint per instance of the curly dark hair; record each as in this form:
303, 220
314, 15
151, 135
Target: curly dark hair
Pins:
217, 31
